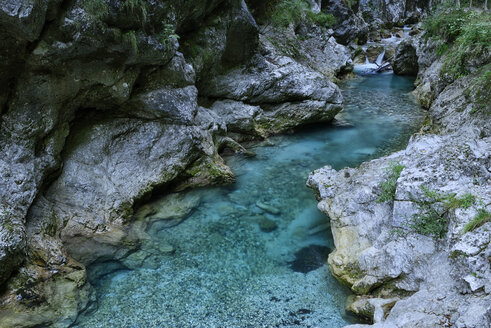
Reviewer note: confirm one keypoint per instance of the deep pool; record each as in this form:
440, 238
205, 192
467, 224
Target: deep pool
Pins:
226, 271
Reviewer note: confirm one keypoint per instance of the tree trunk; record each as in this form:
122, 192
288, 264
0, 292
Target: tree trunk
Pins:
457, 3
485, 5
470, 4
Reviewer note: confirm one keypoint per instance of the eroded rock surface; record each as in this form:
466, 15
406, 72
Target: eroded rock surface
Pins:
436, 281
99, 109
405, 60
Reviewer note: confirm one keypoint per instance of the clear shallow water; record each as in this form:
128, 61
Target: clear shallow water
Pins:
226, 271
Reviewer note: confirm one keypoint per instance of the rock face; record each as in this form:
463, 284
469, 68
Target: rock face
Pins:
349, 27
405, 60
99, 108
388, 13
381, 250
284, 92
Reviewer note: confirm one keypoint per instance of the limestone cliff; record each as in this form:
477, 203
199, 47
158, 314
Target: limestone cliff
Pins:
417, 255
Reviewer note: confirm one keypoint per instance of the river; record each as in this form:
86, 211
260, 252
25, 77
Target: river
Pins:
253, 254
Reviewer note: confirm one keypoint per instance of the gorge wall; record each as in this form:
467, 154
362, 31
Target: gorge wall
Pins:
412, 229
99, 108
106, 101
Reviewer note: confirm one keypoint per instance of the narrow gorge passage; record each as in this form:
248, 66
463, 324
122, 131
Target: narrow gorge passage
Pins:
253, 254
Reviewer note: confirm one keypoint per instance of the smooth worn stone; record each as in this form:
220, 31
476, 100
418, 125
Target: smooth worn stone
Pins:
267, 225
267, 208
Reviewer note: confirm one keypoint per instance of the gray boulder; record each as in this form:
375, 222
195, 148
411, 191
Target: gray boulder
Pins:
405, 61
288, 94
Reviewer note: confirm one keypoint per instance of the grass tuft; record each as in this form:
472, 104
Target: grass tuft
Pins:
480, 219
389, 186
432, 218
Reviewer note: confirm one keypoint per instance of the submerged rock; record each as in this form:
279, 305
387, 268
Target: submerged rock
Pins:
268, 208
267, 225
309, 258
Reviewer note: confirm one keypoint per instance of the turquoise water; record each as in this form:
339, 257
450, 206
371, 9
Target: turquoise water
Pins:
217, 268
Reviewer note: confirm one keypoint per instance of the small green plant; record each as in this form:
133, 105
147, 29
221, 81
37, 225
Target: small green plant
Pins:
168, 34
451, 202
432, 216
480, 219
321, 19
388, 186
429, 221
96, 8
288, 11
130, 39
456, 254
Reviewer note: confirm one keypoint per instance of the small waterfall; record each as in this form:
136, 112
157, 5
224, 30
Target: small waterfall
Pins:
406, 29
367, 62
380, 58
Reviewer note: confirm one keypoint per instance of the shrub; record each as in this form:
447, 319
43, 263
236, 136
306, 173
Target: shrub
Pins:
136, 7
445, 24
96, 8
294, 11
480, 219
130, 39
388, 186
321, 19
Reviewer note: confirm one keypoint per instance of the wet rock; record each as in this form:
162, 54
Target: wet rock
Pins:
405, 60
400, 34
268, 208
267, 225
309, 258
